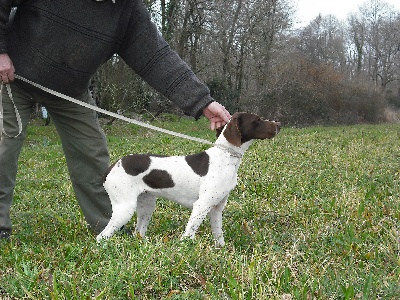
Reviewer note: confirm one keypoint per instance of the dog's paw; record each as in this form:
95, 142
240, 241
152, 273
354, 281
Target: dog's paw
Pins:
101, 238
187, 239
219, 244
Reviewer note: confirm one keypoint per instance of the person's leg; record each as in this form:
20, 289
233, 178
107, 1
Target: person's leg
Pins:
10, 148
87, 157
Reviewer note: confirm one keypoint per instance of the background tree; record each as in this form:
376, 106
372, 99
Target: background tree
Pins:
252, 59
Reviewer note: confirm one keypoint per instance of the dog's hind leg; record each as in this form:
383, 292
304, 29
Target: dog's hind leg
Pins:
216, 222
122, 213
145, 207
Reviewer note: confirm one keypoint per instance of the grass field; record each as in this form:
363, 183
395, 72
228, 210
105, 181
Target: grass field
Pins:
315, 215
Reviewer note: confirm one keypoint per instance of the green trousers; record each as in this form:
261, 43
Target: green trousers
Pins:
84, 146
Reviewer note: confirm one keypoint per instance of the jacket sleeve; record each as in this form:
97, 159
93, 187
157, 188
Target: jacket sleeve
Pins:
149, 55
5, 10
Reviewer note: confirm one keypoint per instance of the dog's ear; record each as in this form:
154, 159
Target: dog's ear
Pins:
232, 132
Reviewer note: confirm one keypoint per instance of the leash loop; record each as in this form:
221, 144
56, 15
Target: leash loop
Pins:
111, 114
2, 130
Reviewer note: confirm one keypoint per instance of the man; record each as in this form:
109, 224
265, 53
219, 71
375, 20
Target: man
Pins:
60, 45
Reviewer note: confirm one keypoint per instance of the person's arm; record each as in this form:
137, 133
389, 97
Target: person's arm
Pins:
5, 10
6, 65
5, 16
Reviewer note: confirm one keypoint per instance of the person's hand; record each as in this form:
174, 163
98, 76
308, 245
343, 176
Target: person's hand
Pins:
6, 69
217, 115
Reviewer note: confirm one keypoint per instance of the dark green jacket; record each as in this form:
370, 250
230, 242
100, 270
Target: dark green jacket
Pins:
61, 43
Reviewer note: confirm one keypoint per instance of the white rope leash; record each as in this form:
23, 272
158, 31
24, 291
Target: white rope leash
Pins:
2, 130
121, 117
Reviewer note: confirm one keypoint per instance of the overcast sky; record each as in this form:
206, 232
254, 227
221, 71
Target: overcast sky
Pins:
307, 10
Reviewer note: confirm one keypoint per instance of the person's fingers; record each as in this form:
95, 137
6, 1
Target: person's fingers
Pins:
227, 115
217, 114
4, 78
215, 124
6, 69
11, 74
223, 113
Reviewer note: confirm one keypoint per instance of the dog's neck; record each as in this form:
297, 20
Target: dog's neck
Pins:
234, 151
229, 150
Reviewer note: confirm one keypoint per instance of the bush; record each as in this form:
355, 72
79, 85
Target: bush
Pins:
225, 94
294, 105
120, 89
317, 94
393, 99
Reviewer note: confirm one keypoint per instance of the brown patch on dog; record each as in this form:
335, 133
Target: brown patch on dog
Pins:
159, 179
135, 164
232, 132
199, 163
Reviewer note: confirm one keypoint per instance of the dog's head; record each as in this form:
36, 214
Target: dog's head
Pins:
244, 127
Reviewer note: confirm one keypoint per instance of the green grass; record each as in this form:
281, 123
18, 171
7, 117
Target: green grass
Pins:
315, 215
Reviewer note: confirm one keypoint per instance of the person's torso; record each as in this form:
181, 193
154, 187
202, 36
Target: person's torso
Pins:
60, 44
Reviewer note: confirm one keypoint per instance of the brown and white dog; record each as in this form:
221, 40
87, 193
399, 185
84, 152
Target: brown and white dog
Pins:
199, 181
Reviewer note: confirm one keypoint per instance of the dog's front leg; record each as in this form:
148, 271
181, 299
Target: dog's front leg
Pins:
199, 212
216, 222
